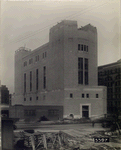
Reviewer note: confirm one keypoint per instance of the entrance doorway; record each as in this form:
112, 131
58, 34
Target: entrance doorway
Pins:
85, 111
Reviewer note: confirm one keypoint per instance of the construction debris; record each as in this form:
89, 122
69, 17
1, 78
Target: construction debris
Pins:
62, 140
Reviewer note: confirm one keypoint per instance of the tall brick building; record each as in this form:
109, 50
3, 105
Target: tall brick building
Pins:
60, 77
110, 75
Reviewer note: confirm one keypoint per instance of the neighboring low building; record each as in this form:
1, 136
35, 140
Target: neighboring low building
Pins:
10, 99
4, 101
4, 95
110, 75
60, 77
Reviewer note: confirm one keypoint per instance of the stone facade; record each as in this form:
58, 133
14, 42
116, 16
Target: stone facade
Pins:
61, 74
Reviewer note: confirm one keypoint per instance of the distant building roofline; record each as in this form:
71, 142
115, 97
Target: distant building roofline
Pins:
114, 63
23, 49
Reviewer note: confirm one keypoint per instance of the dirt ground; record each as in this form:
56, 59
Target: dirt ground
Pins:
71, 140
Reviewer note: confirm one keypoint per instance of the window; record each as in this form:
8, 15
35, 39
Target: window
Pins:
97, 95
43, 55
30, 80
30, 61
53, 112
36, 58
86, 78
81, 47
78, 46
37, 79
87, 95
86, 64
37, 98
29, 112
25, 63
80, 70
24, 82
24, 99
85, 47
30, 98
71, 95
86, 71
44, 77
83, 95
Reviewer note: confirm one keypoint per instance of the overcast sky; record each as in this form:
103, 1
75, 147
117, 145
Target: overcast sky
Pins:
28, 23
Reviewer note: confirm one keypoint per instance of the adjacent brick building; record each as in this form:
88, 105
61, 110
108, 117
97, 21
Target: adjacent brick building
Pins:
110, 75
61, 77
4, 93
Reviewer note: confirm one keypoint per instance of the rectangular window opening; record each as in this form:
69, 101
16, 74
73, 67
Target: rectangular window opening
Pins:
25, 63
37, 79
78, 46
85, 47
44, 77
83, 95
80, 70
43, 55
25, 83
86, 71
38, 57
29, 112
53, 112
81, 47
30, 80
86, 78
97, 96
71, 95
35, 58
30, 61
87, 95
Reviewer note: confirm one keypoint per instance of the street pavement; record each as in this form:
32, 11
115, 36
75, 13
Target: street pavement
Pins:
49, 126
85, 128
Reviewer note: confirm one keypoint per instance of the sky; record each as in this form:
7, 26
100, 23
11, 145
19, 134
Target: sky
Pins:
27, 23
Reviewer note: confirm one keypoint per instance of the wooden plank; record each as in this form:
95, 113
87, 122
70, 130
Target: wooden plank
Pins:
59, 140
44, 141
32, 142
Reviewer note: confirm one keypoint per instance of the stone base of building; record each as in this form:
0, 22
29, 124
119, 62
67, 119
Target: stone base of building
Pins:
36, 113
